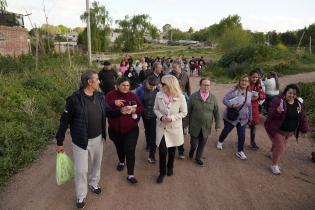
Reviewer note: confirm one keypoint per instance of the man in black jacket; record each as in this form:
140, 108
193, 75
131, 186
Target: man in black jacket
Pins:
85, 112
107, 78
147, 93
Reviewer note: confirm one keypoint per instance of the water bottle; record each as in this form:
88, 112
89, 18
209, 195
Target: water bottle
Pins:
133, 104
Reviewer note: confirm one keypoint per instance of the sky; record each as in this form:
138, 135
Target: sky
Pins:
256, 15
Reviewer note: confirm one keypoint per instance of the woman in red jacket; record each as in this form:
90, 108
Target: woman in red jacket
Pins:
286, 117
258, 94
123, 129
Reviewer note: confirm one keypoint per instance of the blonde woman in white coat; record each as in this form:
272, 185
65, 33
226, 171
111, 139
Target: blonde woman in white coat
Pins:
170, 108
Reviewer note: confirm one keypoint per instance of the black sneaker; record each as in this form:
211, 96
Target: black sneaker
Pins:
170, 172
132, 179
97, 190
120, 166
181, 156
160, 178
191, 154
253, 147
151, 160
80, 203
199, 162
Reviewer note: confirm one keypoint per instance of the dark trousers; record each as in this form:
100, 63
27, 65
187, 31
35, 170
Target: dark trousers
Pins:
150, 135
180, 148
252, 135
126, 147
228, 127
199, 143
163, 150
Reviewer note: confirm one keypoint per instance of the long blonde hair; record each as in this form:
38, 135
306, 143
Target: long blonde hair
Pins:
173, 85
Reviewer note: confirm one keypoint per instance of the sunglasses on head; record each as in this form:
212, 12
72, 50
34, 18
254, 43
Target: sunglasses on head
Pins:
163, 84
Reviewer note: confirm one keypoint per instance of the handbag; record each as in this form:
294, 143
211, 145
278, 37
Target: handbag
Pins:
233, 113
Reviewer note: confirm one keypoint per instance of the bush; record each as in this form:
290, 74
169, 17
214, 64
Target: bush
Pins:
236, 70
281, 47
308, 95
250, 54
31, 102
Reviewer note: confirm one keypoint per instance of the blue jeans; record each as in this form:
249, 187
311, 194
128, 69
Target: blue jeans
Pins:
228, 127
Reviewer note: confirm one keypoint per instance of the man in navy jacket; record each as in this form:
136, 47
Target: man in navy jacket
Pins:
85, 112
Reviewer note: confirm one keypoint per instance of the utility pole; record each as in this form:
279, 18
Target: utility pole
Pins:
37, 43
88, 27
48, 45
310, 45
300, 41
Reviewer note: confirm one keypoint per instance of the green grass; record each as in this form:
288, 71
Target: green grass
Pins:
308, 94
31, 102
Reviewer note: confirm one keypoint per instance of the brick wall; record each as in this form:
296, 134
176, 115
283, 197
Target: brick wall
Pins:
13, 40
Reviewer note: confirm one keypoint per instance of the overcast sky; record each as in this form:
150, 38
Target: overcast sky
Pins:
257, 15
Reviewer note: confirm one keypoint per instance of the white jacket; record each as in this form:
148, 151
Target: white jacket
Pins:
271, 87
173, 131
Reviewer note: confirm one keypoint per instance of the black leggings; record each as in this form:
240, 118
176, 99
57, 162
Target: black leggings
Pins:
163, 150
126, 147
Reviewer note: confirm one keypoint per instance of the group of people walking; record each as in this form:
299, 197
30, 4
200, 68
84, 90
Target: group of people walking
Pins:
165, 104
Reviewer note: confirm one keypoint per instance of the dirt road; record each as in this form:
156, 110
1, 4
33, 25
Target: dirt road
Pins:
225, 182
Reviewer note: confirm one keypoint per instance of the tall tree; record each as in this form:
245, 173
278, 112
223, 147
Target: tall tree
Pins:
153, 31
3, 5
133, 30
100, 27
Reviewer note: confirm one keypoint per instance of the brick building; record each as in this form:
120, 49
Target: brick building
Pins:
13, 35
13, 40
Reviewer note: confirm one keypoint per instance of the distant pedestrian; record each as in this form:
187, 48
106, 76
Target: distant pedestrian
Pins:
108, 77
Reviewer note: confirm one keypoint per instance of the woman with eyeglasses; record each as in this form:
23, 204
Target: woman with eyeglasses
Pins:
123, 128
202, 110
170, 108
237, 101
286, 117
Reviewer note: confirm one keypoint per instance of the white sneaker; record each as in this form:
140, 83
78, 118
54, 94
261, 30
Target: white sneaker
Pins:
269, 154
275, 169
219, 145
241, 155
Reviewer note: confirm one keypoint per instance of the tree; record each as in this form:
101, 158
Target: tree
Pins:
133, 30
190, 30
100, 27
167, 30
153, 31
289, 38
234, 38
215, 31
3, 5
177, 34
258, 38
273, 38
166, 27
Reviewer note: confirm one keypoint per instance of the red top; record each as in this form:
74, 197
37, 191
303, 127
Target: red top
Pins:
255, 106
123, 123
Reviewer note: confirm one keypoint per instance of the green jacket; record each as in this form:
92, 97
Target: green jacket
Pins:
201, 114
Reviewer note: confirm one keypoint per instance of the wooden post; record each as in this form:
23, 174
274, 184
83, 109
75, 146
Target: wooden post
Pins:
88, 29
310, 45
37, 43
69, 56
